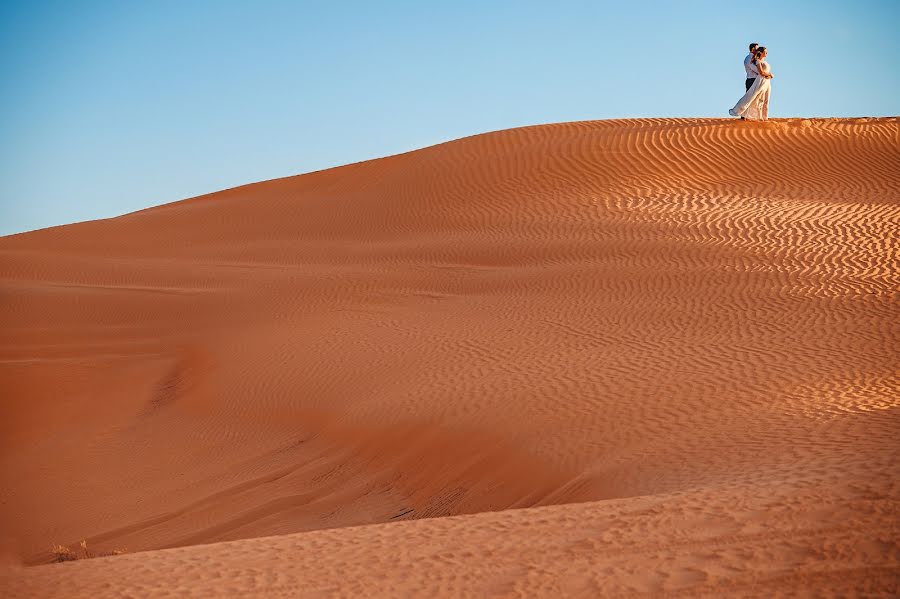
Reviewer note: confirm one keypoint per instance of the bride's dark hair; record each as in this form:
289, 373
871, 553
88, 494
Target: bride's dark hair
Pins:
759, 52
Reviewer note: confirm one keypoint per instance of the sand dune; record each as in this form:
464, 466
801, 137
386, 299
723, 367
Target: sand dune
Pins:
684, 367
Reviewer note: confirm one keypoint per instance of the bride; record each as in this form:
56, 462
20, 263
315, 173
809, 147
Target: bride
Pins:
754, 105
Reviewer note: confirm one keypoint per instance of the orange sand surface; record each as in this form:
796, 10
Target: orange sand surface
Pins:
580, 359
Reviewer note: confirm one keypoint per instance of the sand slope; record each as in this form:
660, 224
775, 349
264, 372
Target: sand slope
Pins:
726, 541
615, 312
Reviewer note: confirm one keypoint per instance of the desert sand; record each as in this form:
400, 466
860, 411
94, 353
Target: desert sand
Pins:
584, 359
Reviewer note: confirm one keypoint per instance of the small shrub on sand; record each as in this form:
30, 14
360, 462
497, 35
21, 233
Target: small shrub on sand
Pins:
61, 553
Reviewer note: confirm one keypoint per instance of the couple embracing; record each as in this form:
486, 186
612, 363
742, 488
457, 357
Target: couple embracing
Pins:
754, 105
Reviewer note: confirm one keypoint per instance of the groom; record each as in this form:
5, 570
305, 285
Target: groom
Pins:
750, 68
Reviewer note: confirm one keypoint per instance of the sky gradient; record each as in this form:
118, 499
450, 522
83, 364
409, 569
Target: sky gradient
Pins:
110, 107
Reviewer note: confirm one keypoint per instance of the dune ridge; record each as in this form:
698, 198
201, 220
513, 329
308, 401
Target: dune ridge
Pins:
579, 320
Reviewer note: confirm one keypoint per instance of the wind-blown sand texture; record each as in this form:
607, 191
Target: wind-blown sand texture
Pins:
682, 365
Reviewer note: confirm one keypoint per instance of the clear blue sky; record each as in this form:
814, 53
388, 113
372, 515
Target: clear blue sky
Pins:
109, 107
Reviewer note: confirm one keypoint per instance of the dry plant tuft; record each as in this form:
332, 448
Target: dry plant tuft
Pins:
61, 553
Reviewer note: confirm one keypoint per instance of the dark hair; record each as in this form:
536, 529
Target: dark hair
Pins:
759, 52
754, 46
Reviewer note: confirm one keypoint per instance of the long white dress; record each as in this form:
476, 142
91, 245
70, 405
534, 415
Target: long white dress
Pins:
754, 105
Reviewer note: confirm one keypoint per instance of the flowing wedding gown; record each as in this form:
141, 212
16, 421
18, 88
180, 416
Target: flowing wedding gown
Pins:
754, 105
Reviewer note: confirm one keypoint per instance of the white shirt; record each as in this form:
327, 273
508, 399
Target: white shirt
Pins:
750, 68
